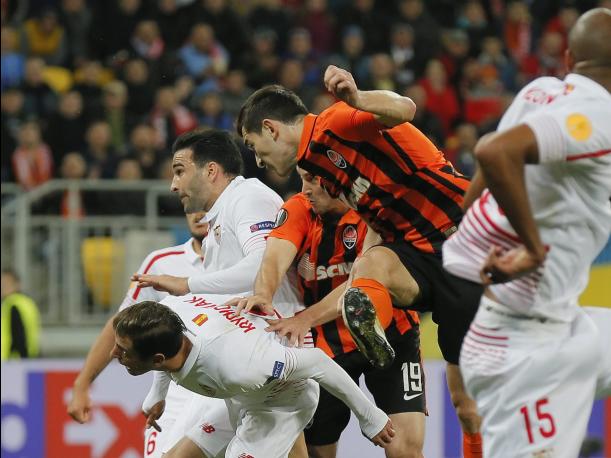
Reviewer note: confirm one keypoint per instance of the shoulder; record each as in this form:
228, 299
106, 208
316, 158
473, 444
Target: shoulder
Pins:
253, 189
157, 257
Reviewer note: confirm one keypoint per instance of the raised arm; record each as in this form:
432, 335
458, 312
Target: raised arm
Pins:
389, 108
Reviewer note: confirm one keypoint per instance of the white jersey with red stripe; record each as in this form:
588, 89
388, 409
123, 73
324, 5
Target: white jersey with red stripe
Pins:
240, 221
179, 260
569, 193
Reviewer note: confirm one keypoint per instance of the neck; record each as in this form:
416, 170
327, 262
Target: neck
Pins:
176, 362
197, 246
295, 131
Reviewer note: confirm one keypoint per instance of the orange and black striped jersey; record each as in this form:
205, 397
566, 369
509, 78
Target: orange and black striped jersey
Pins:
395, 178
326, 250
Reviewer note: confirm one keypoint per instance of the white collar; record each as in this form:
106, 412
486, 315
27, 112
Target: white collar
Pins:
216, 208
190, 361
190, 253
577, 79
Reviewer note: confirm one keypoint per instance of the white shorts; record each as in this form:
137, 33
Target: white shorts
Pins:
270, 429
158, 442
602, 318
205, 421
533, 381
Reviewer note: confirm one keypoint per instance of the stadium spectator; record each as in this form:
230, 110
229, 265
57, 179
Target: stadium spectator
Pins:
169, 118
424, 119
66, 128
235, 92
140, 87
370, 20
114, 106
12, 118
76, 17
39, 99
291, 75
441, 97
174, 22
211, 112
271, 15
12, 61
20, 320
100, 156
32, 160
89, 79
43, 36
203, 57
426, 29
316, 18
142, 146
262, 64
403, 53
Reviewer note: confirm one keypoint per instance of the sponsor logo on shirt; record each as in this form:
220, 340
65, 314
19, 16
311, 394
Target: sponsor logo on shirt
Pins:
200, 319
337, 159
359, 187
281, 217
226, 311
207, 428
245, 455
263, 225
579, 127
277, 370
349, 237
324, 272
217, 233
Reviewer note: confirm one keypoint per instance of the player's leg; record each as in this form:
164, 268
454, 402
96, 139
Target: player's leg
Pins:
601, 316
186, 448
156, 442
299, 450
528, 406
270, 428
466, 411
399, 391
377, 280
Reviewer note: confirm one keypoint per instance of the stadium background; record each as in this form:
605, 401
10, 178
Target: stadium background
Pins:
94, 93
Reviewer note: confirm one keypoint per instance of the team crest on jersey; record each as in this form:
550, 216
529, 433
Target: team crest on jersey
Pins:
281, 217
200, 319
350, 236
337, 159
217, 233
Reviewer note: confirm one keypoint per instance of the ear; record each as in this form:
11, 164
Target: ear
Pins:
272, 126
158, 360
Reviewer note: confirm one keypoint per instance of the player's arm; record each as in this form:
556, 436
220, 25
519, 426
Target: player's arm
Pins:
388, 108
313, 363
99, 355
502, 157
154, 403
297, 327
278, 257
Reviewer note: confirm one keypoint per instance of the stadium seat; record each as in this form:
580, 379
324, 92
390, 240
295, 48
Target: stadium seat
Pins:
103, 261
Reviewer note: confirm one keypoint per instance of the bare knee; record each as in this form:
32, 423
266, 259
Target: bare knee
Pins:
409, 435
466, 408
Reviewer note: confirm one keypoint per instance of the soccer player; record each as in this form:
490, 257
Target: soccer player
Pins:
185, 259
240, 213
269, 388
323, 237
531, 357
367, 153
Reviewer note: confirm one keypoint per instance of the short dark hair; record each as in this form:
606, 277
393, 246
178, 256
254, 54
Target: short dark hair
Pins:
212, 145
273, 102
152, 327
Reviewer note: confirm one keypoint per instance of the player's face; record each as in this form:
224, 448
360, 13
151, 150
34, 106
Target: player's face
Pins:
198, 229
271, 150
320, 199
125, 354
188, 182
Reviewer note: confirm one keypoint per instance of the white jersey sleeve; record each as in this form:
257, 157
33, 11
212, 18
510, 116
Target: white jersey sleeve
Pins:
251, 218
570, 133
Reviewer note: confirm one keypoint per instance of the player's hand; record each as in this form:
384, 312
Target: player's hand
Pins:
79, 407
255, 303
340, 83
505, 265
153, 415
176, 286
294, 329
384, 437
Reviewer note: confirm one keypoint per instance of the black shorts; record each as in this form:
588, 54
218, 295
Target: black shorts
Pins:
398, 389
453, 301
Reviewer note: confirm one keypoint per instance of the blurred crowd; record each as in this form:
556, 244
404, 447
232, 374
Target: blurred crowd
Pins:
100, 89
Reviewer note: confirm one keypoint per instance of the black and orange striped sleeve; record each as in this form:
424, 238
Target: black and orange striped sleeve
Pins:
294, 221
